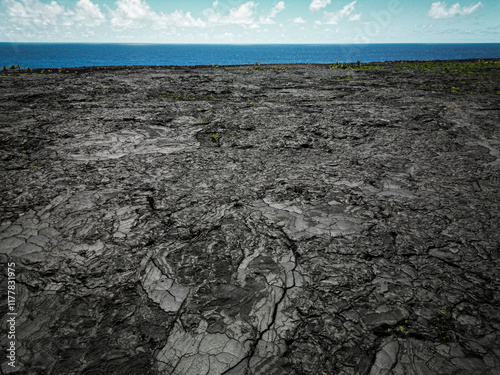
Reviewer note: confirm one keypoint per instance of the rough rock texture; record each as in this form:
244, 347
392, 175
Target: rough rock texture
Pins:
252, 220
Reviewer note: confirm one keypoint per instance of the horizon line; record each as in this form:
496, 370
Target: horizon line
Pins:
245, 44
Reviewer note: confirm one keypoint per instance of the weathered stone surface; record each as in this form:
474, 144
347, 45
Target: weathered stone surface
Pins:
252, 220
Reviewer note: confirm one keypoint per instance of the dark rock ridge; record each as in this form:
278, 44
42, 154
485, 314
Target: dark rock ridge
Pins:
253, 220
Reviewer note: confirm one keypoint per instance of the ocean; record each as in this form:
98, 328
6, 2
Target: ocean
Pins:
66, 55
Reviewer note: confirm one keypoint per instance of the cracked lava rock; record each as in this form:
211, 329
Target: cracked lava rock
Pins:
267, 219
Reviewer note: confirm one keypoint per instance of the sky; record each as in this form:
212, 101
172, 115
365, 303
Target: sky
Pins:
250, 22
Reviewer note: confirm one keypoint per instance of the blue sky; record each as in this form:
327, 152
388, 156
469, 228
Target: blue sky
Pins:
250, 22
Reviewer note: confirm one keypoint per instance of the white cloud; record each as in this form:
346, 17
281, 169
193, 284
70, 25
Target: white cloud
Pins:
212, 16
37, 13
439, 10
332, 18
242, 15
355, 17
299, 20
131, 14
88, 13
177, 19
34, 12
276, 9
318, 4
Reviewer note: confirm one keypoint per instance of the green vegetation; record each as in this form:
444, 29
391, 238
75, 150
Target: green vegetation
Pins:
403, 329
473, 77
444, 310
258, 67
478, 77
474, 67
342, 66
443, 324
16, 68
255, 66
210, 137
356, 65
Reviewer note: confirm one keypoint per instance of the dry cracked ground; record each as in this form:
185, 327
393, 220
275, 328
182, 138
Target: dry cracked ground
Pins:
252, 220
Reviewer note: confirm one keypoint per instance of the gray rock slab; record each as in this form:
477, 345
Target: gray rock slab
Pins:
259, 219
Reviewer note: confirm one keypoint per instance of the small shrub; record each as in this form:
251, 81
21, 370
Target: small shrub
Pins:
342, 66
28, 69
12, 67
4, 68
216, 139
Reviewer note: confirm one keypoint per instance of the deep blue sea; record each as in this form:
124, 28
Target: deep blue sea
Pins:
44, 55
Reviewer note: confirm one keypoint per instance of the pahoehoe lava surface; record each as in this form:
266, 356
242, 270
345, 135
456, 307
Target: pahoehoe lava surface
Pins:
265, 219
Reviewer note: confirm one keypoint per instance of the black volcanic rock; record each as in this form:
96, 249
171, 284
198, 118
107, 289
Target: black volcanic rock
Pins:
252, 219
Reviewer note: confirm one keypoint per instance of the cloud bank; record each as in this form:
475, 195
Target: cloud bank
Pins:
347, 12
439, 10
